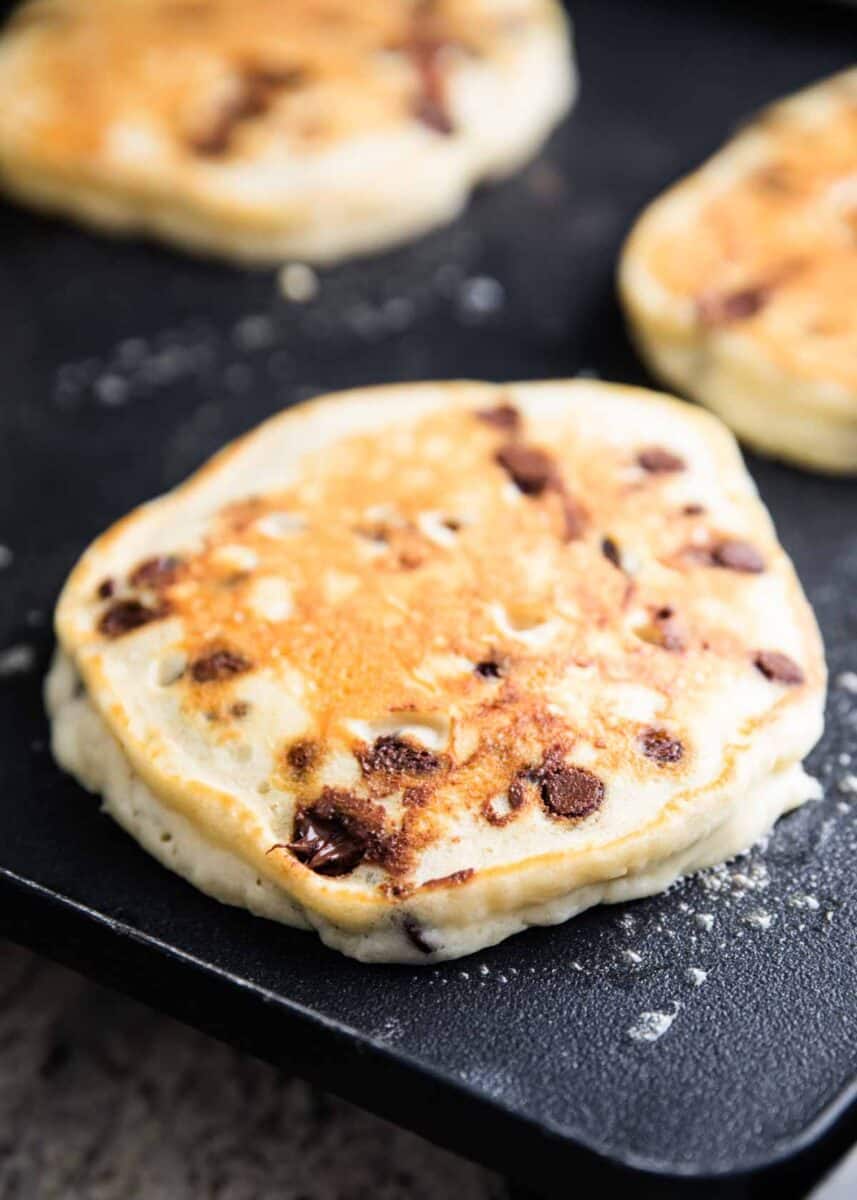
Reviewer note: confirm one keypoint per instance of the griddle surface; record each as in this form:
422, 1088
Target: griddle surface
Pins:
124, 366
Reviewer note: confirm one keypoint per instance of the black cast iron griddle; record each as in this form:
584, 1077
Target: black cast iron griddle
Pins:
124, 366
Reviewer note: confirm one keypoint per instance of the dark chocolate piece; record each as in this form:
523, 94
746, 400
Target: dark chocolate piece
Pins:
220, 664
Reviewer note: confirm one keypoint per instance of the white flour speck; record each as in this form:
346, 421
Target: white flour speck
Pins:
298, 282
844, 759
801, 900
131, 352
650, 1026
398, 312
705, 921
848, 785
254, 332
843, 807
6, 557
16, 660
480, 296
632, 956
759, 919
697, 976
483, 970
111, 390
848, 682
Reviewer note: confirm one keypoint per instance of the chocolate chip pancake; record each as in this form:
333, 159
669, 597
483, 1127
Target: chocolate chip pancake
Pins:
260, 130
421, 665
739, 282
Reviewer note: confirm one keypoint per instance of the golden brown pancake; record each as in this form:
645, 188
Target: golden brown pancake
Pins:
418, 666
261, 130
739, 282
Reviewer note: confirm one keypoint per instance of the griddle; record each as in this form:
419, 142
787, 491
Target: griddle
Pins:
124, 366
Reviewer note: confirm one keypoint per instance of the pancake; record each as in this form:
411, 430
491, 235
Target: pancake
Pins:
418, 666
260, 130
739, 282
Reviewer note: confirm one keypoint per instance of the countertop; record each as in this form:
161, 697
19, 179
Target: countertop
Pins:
103, 1099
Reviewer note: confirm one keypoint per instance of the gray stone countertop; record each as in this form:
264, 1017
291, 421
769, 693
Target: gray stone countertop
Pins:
103, 1099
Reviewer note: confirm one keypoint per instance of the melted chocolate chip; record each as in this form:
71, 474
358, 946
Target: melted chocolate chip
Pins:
736, 555
488, 669
660, 746
392, 755
239, 709
778, 667
659, 461
693, 510
106, 589
255, 92
126, 615
417, 935
611, 552
326, 843
430, 110
155, 572
565, 790
721, 308
220, 664
430, 105
531, 469
503, 416
302, 756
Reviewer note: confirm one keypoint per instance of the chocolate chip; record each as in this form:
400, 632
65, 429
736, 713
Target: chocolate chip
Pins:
611, 552
239, 709
326, 843
488, 669
430, 105
778, 667
392, 755
659, 461
302, 756
565, 790
503, 416
155, 572
569, 791
106, 589
411, 558
721, 308
531, 469
418, 935
661, 746
430, 111
220, 664
736, 555
255, 92
126, 615
693, 510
